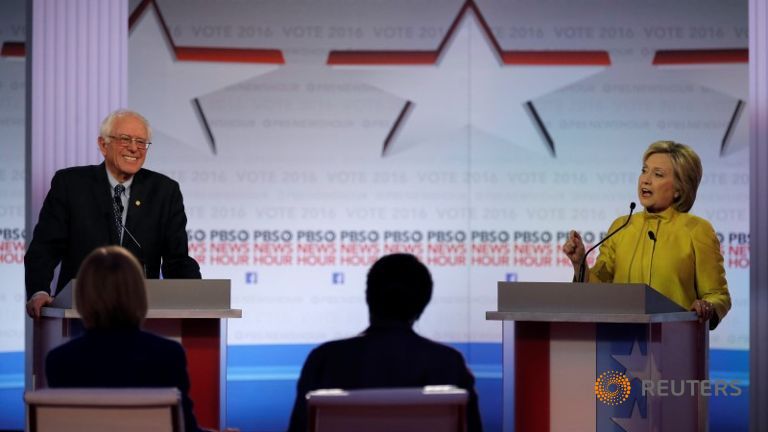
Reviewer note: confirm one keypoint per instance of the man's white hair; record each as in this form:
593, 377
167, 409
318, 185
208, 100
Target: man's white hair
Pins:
106, 126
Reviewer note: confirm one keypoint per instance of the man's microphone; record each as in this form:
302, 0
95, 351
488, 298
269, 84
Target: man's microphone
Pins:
651, 236
583, 265
136, 242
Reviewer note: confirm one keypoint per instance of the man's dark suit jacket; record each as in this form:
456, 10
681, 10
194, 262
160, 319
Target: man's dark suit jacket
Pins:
121, 358
391, 355
77, 217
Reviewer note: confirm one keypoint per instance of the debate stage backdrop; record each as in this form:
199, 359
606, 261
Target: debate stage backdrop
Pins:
311, 137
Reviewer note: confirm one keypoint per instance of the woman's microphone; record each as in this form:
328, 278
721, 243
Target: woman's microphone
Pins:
582, 267
651, 236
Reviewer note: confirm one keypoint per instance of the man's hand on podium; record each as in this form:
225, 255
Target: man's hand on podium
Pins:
37, 302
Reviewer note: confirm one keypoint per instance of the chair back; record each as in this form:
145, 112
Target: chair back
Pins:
104, 409
432, 409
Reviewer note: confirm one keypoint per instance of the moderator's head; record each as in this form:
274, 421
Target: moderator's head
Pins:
110, 291
399, 287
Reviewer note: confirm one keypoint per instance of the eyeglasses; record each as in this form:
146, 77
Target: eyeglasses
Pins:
126, 140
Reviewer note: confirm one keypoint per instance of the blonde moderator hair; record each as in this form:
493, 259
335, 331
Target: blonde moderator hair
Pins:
687, 170
110, 291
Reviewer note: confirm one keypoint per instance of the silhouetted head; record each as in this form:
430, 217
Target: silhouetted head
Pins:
110, 291
399, 287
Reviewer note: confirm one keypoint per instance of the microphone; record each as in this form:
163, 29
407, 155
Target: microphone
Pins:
141, 250
582, 267
119, 205
651, 236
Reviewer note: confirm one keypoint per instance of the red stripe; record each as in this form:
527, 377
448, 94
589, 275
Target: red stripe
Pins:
552, 58
544, 58
532, 58
382, 57
200, 338
709, 56
233, 55
532, 376
13, 49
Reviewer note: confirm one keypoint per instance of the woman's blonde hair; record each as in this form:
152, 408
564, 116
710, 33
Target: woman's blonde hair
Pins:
687, 170
110, 291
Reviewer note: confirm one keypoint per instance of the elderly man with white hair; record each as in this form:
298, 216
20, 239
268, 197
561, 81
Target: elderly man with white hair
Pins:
114, 203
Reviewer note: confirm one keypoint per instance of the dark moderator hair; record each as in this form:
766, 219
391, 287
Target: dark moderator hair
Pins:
399, 287
110, 292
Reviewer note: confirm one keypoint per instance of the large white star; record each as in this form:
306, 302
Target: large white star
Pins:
500, 93
470, 86
438, 94
644, 368
650, 115
636, 363
164, 89
731, 79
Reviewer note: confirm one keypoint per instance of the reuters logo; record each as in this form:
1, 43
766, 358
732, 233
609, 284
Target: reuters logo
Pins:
612, 388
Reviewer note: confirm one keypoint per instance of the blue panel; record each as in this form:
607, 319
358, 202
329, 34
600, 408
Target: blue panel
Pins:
729, 413
261, 385
262, 405
11, 391
485, 361
729, 364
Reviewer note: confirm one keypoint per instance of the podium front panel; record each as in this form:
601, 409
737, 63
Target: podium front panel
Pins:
559, 368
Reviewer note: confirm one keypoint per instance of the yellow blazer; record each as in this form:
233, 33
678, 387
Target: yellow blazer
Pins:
685, 264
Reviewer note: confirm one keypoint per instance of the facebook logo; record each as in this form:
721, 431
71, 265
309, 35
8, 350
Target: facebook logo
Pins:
337, 278
251, 278
511, 277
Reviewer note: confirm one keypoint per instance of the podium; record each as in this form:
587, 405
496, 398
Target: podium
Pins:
600, 357
190, 311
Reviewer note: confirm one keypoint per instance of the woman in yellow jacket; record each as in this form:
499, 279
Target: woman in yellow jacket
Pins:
675, 252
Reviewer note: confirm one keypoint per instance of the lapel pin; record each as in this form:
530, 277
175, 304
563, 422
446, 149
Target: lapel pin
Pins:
138, 203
